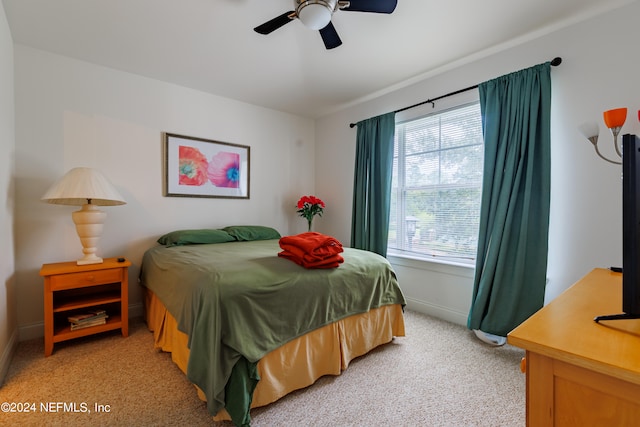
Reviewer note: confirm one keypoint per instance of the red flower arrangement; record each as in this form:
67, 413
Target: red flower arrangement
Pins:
310, 206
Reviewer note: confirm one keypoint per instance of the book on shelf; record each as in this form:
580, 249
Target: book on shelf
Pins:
95, 322
88, 318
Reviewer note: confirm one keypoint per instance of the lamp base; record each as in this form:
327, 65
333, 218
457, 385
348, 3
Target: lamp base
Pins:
89, 224
89, 259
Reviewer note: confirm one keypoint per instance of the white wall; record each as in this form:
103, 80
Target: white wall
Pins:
599, 72
8, 331
71, 113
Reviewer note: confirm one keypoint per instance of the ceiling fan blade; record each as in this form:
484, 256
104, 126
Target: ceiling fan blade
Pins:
330, 36
275, 23
376, 6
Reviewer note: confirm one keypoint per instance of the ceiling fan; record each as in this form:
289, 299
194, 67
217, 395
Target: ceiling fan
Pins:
316, 15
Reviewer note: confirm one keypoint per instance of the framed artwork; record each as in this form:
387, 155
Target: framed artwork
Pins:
196, 167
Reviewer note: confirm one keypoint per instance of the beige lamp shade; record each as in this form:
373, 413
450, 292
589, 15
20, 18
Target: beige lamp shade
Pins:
88, 188
83, 185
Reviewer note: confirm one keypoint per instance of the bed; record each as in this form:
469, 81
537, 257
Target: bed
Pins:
247, 326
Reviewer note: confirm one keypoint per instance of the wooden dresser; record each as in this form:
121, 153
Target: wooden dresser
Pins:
582, 373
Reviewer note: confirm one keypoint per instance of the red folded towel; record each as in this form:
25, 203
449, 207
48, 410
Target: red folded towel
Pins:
312, 250
311, 246
331, 262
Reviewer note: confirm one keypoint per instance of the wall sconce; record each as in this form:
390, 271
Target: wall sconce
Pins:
87, 188
613, 119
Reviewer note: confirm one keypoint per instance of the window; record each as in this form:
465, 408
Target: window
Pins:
437, 184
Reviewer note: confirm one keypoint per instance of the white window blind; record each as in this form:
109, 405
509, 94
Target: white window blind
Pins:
436, 185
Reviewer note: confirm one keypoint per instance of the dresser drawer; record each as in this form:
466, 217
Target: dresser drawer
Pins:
89, 278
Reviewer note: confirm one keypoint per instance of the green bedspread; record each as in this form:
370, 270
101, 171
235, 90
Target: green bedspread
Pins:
240, 300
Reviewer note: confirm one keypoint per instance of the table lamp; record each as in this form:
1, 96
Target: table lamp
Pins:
88, 188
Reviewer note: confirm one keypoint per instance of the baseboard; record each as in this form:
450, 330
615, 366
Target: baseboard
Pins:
136, 310
36, 330
7, 355
438, 311
31, 331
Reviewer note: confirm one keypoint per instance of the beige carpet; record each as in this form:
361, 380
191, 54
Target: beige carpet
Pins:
439, 375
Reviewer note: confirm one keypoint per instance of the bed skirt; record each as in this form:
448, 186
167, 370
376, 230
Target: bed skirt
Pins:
298, 363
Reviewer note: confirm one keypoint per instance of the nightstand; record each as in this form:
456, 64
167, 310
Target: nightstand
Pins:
71, 289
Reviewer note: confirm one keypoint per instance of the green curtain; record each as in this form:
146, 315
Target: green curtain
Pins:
372, 183
511, 266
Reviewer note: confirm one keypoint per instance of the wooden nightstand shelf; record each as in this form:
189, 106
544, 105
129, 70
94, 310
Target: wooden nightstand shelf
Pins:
72, 289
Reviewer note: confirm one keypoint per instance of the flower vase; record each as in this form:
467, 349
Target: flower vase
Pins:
309, 221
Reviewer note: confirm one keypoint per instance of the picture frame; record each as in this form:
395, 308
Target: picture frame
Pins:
198, 167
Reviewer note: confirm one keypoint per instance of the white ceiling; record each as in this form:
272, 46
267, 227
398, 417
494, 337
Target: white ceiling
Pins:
210, 45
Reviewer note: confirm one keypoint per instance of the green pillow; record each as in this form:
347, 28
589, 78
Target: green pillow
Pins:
195, 237
252, 232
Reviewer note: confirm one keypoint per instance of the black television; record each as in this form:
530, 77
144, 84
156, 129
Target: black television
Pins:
630, 230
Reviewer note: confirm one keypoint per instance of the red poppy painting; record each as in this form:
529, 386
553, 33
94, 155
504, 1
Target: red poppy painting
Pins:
192, 166
196, 167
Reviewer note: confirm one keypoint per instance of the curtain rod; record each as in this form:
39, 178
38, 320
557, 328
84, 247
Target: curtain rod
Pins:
554, 62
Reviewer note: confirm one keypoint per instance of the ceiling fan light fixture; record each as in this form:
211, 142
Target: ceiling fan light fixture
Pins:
315, 14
